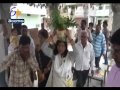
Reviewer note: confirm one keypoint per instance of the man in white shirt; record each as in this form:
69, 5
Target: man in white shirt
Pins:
85, 60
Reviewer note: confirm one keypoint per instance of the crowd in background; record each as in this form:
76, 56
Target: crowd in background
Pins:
55, 65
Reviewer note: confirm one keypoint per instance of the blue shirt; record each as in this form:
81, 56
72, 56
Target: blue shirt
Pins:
99, 44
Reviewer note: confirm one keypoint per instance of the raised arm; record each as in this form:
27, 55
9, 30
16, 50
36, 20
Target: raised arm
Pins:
90, 36
74, 53
47, 50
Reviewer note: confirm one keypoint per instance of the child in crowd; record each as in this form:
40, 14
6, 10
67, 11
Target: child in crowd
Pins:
14, 41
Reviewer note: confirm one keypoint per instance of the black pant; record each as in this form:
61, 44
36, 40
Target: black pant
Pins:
81, 77
97, 60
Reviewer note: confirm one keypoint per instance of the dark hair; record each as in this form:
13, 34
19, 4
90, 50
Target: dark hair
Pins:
12, 30
56, 50
24, 40
105, 23
84, 21
115, 38
44, 33
91, 24
24, 26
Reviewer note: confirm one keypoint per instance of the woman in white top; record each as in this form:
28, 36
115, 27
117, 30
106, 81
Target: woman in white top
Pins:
61, 72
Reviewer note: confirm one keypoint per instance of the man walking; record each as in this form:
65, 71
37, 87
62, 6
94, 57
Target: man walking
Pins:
99, 45
43, 55
21, 64
85, 60
106, 33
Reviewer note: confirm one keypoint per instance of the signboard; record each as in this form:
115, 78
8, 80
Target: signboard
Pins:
14, 12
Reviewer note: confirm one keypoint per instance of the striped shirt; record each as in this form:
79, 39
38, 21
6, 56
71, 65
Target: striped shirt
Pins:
99, 44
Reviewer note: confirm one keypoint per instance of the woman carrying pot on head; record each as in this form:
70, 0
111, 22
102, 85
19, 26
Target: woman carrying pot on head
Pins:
62, 61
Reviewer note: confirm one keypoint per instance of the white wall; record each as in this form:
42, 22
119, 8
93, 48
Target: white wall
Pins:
31, 21
26, 9
34, 19
79, 12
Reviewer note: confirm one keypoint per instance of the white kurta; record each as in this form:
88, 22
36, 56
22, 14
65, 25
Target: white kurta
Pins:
60, 72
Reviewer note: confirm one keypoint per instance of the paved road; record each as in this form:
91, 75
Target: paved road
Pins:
95, 83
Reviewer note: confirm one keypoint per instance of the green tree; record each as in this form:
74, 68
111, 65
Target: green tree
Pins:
49, 6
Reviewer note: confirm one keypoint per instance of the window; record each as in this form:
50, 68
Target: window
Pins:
100, 7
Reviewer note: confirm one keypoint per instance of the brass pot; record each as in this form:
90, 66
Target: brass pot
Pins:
61, 35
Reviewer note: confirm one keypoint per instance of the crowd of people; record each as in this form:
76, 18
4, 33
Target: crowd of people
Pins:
52, 64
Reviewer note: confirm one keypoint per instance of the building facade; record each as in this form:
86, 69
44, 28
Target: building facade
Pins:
33, 16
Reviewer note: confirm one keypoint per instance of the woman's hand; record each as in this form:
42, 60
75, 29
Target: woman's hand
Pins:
68, 34
69, 37
51, 40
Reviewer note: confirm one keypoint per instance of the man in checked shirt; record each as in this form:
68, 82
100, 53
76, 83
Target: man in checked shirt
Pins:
21, 65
